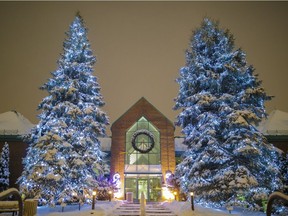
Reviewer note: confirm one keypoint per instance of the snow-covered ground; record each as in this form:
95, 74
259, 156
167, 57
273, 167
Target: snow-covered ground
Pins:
103, 208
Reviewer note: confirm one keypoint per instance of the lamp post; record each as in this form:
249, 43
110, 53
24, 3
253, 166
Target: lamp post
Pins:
192, 200
110, 195
93, 199
175, 195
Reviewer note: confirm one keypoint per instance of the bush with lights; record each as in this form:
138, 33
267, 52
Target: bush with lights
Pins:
105, 189
64, 156
228, 161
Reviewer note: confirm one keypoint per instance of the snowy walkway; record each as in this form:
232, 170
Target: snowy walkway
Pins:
105, 208
154, 209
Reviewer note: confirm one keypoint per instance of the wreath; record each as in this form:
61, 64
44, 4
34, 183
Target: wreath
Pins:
147, 148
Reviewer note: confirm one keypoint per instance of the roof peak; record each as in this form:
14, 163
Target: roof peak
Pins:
142, 111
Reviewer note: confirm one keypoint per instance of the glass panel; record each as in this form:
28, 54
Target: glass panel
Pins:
155, 189
150, 185
142, 159
143, 187
154, 159
143, 169
143, 142
131, 186
132, 158
142, 124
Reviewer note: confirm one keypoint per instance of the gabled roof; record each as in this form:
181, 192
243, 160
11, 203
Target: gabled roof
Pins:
275, 124
14, 123
141, 108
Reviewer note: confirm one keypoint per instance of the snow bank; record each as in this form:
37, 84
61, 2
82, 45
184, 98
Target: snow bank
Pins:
102, 208
184, 209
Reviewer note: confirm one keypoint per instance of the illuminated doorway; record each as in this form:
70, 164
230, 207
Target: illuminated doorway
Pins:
149, 184
143, 171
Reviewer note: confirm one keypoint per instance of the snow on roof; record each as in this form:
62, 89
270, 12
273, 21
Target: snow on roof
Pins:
179, 146
275, 124
105, 143
14, 123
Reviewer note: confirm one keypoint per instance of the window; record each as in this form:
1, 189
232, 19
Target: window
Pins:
143, 148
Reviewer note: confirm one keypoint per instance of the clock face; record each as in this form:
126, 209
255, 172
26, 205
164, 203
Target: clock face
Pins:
143, 141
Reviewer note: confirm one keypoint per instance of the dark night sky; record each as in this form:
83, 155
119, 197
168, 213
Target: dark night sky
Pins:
139, 48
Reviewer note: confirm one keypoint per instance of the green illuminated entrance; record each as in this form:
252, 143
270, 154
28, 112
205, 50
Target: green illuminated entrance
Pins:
150, 185
143, 171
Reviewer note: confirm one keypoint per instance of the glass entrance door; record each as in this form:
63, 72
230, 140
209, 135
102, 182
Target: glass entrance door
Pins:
149, 184
143, 187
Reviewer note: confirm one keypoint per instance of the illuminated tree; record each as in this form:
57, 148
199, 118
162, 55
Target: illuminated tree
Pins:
228, 160
4, 167
64, 158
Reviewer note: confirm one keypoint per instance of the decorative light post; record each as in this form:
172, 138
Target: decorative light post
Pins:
175, 195
192, 200
93, 199
110, 195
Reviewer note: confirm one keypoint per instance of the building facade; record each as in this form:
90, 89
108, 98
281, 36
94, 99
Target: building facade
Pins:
142, 151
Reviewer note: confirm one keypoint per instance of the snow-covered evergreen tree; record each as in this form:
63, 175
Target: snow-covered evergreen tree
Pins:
64, 155
4, 167
221, 101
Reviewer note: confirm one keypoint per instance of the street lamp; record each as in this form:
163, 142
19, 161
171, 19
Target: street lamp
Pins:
192, 200
93, 199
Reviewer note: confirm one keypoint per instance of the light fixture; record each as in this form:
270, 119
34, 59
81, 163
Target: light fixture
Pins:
110, 195
175, 195
93, 199
192, 200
